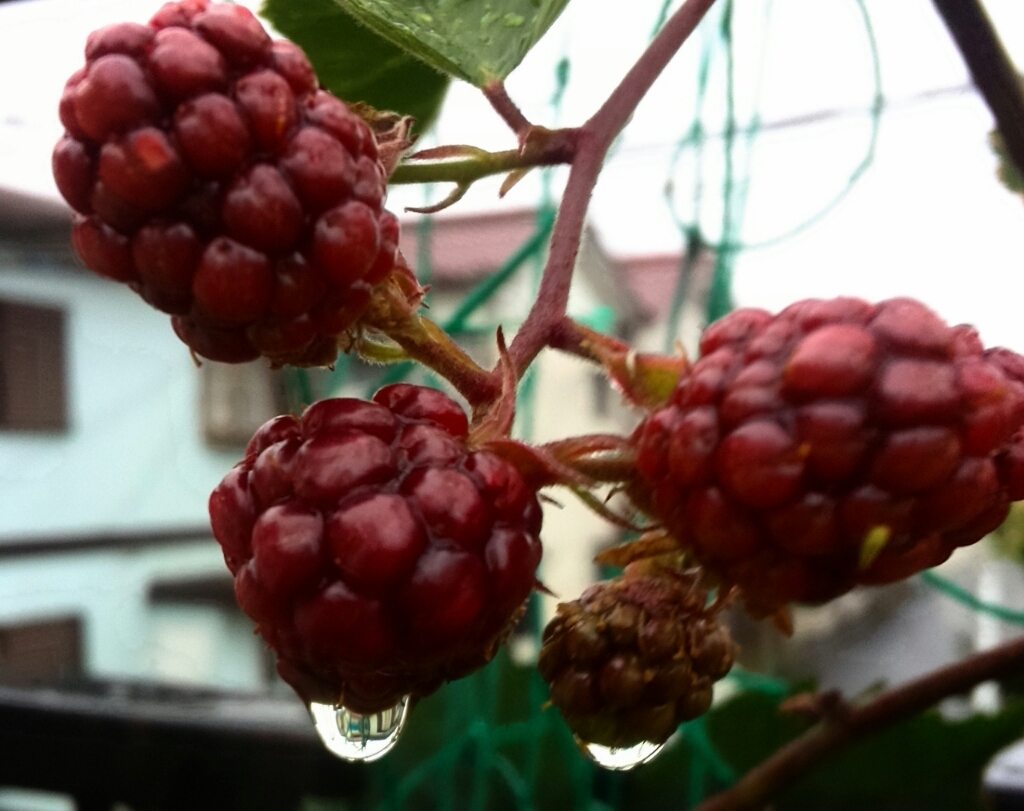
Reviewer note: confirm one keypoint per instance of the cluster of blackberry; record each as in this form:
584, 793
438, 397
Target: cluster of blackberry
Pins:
377, 548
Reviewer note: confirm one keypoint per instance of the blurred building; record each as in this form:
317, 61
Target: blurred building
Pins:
111, 440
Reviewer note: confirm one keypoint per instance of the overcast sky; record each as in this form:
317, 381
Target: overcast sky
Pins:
927, 218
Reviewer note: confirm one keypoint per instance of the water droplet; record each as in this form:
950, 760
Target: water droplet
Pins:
620, 760
353, 736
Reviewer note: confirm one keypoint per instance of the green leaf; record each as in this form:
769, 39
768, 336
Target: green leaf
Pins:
357, 65
476, 40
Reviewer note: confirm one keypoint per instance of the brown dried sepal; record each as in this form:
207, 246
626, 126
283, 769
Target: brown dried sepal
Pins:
392, 131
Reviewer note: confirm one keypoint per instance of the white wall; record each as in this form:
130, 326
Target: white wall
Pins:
124, 635
133, 458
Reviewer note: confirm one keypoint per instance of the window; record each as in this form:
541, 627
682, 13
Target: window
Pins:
46, 652
33, 387
236, 400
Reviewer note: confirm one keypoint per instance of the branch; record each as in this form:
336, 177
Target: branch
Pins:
991, 69
760, 784
593, 140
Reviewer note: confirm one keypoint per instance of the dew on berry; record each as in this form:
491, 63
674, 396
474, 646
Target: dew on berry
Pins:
356, 736
620, 759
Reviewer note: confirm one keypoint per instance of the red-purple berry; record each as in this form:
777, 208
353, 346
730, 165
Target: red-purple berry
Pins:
205, 166
836, 443
369, 542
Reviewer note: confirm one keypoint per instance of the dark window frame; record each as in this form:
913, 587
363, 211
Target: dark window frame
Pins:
42, 651
33, 368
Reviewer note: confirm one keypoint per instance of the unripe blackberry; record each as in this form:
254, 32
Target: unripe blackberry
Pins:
634, 657
378, 555
834, 444
212, 175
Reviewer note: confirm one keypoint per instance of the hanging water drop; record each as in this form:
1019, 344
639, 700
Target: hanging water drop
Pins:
620, 759
354, 736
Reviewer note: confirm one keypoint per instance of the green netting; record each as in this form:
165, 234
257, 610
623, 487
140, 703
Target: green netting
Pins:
490, 741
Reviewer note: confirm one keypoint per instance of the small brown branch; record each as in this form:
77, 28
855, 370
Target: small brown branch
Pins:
835, 732
592, 143
991, 69
496, 94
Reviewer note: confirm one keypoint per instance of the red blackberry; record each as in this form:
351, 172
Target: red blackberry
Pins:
634, 657
378, 555
210, 173
837, 443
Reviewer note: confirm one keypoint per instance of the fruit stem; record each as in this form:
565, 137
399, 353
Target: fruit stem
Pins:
592, 142
574, 338
756, 788
496, 94
991, 70
426, 342
601, 457
466, 166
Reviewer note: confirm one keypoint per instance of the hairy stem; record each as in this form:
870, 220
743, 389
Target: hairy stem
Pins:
840, 729
991, 69
573, 338
506, 108
426, 342
593, 140
476, 164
